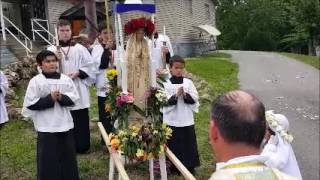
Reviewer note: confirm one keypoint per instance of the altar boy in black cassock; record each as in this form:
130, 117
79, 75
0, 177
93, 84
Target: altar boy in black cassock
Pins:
103, 56
183, 102
48, 100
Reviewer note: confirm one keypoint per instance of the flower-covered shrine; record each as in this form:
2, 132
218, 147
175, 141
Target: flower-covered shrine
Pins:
135, 99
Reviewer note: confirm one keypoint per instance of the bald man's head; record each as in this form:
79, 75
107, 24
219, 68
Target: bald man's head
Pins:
240, 117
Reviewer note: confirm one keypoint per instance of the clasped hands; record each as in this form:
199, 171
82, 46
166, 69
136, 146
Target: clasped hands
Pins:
56, 95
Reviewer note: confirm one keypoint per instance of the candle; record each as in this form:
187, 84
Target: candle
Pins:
56, 33
124, 81
164, 30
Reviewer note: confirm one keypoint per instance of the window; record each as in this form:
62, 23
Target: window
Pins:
207, 10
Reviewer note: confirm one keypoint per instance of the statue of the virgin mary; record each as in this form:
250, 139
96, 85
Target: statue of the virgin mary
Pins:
137, 58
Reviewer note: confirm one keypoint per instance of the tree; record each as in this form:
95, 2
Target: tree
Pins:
269, 24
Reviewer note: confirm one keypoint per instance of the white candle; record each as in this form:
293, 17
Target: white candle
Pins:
124, 81
56, 34
164, 30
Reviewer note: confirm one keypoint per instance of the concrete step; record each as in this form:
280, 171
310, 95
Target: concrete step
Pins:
11, 50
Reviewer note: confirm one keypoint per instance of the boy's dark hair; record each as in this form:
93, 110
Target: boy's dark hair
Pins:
239, 121
63, 22
103, 26
42, 56
175, 59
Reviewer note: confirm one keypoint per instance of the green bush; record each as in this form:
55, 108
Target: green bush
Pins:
257, 40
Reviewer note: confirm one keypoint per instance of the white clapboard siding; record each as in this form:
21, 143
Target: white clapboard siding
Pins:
180, 15
55, 9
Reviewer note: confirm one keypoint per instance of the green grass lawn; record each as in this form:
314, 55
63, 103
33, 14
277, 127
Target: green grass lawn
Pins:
311, 60
18, 139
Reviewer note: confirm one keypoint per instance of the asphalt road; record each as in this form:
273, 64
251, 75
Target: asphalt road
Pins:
291, 88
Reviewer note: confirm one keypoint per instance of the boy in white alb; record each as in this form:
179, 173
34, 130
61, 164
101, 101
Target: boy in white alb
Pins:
48, 100
76, 62
183, 102
103, 56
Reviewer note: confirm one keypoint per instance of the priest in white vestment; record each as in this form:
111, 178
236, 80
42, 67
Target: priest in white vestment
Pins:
236, 130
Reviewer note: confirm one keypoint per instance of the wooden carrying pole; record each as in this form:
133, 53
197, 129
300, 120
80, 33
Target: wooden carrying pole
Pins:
107, 17
114, 155
184, 171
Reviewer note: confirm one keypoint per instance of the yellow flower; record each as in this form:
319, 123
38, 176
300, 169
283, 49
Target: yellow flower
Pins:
150, 155
161, 149
168, 131
111, 74
108, 108
115, 142
135, 129
140, 153
134, 134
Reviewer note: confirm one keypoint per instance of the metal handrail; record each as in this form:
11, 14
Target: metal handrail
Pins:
24, 45
34, 20
26, 38
16, 28
47, 41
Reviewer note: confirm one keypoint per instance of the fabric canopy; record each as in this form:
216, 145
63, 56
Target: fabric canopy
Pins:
208, 29
122, 8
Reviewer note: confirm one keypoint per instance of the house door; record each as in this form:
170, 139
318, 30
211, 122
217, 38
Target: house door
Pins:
26, 19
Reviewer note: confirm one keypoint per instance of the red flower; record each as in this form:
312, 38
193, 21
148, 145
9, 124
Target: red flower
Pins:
134, 24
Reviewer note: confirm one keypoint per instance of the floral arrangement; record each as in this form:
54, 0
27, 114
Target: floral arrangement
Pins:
141, 143
275, 125
156, 99
117, 105
134, 24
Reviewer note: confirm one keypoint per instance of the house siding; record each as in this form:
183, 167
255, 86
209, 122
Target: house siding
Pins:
55, 9
178, 16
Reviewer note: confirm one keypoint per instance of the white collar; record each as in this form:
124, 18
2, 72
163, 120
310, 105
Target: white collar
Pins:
241, 159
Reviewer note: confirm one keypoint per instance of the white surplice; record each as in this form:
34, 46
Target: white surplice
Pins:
101, 79
58, 118
181, 114
78, 58
280, 155
157, 50
4, 88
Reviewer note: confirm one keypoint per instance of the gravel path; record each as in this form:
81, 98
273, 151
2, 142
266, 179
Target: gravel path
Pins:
291, 88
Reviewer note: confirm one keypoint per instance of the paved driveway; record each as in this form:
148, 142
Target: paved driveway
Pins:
291, 88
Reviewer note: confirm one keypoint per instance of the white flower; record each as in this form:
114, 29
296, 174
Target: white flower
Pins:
275, 126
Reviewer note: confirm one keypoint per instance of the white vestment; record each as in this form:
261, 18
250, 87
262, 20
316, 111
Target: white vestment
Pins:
247, 167
57, 118
78, 58
101, 79
4, 87
157, 50
280, 155
181, 114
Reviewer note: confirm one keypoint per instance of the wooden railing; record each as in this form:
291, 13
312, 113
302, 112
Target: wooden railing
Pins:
113, 154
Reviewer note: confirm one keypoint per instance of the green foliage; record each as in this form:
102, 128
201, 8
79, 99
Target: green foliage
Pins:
282, 24
258, 40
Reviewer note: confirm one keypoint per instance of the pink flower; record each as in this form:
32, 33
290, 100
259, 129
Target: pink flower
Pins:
118, 101
127, 98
